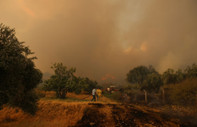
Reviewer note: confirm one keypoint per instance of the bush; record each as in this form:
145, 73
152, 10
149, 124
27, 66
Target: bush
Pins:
184, 93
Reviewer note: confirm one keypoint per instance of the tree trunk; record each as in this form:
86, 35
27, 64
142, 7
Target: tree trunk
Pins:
145, 96
63, 93
57, 94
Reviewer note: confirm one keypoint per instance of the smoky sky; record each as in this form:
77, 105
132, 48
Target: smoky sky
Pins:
104, 39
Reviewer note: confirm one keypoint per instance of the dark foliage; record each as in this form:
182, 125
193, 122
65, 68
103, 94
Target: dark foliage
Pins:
18, 75
64, 81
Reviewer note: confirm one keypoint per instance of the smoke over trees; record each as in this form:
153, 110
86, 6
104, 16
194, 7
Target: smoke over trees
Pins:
99, 37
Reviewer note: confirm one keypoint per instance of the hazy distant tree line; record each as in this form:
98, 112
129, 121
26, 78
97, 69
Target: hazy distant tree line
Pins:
18, 75
149, 79
179, 86
64, 80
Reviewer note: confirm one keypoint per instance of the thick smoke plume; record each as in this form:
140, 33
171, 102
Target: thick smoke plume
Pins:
106, 37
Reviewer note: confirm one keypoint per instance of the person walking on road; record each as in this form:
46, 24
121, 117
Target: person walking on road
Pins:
93, 94
98, 94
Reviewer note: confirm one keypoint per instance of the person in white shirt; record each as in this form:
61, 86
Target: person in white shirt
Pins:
93, 94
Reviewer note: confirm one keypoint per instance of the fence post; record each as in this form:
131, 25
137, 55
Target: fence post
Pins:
163, 95
145, 96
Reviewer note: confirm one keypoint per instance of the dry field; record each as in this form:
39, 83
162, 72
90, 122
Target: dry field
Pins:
104, 113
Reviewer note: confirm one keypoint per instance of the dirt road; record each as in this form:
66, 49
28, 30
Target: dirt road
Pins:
86, 114
121, 115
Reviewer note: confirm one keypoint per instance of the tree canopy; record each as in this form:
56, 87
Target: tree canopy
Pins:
61, 81
139, 74
64, 81
170, 77
152, 82
18, 75
147, 77
191, 71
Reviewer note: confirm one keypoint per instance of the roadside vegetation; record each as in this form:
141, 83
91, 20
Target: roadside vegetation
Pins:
172, 87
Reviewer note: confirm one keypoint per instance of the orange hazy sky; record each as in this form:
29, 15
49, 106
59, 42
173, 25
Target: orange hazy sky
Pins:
105, 38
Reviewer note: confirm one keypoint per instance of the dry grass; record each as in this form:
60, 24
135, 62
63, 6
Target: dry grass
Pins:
185, 114
72, 97
50, 114
61, 113
54, 113
109, 122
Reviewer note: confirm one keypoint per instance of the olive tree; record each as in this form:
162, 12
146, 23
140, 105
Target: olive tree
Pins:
18, 75
146, 77
62, 81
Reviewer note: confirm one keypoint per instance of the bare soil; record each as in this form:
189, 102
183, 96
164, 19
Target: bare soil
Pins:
124, 115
